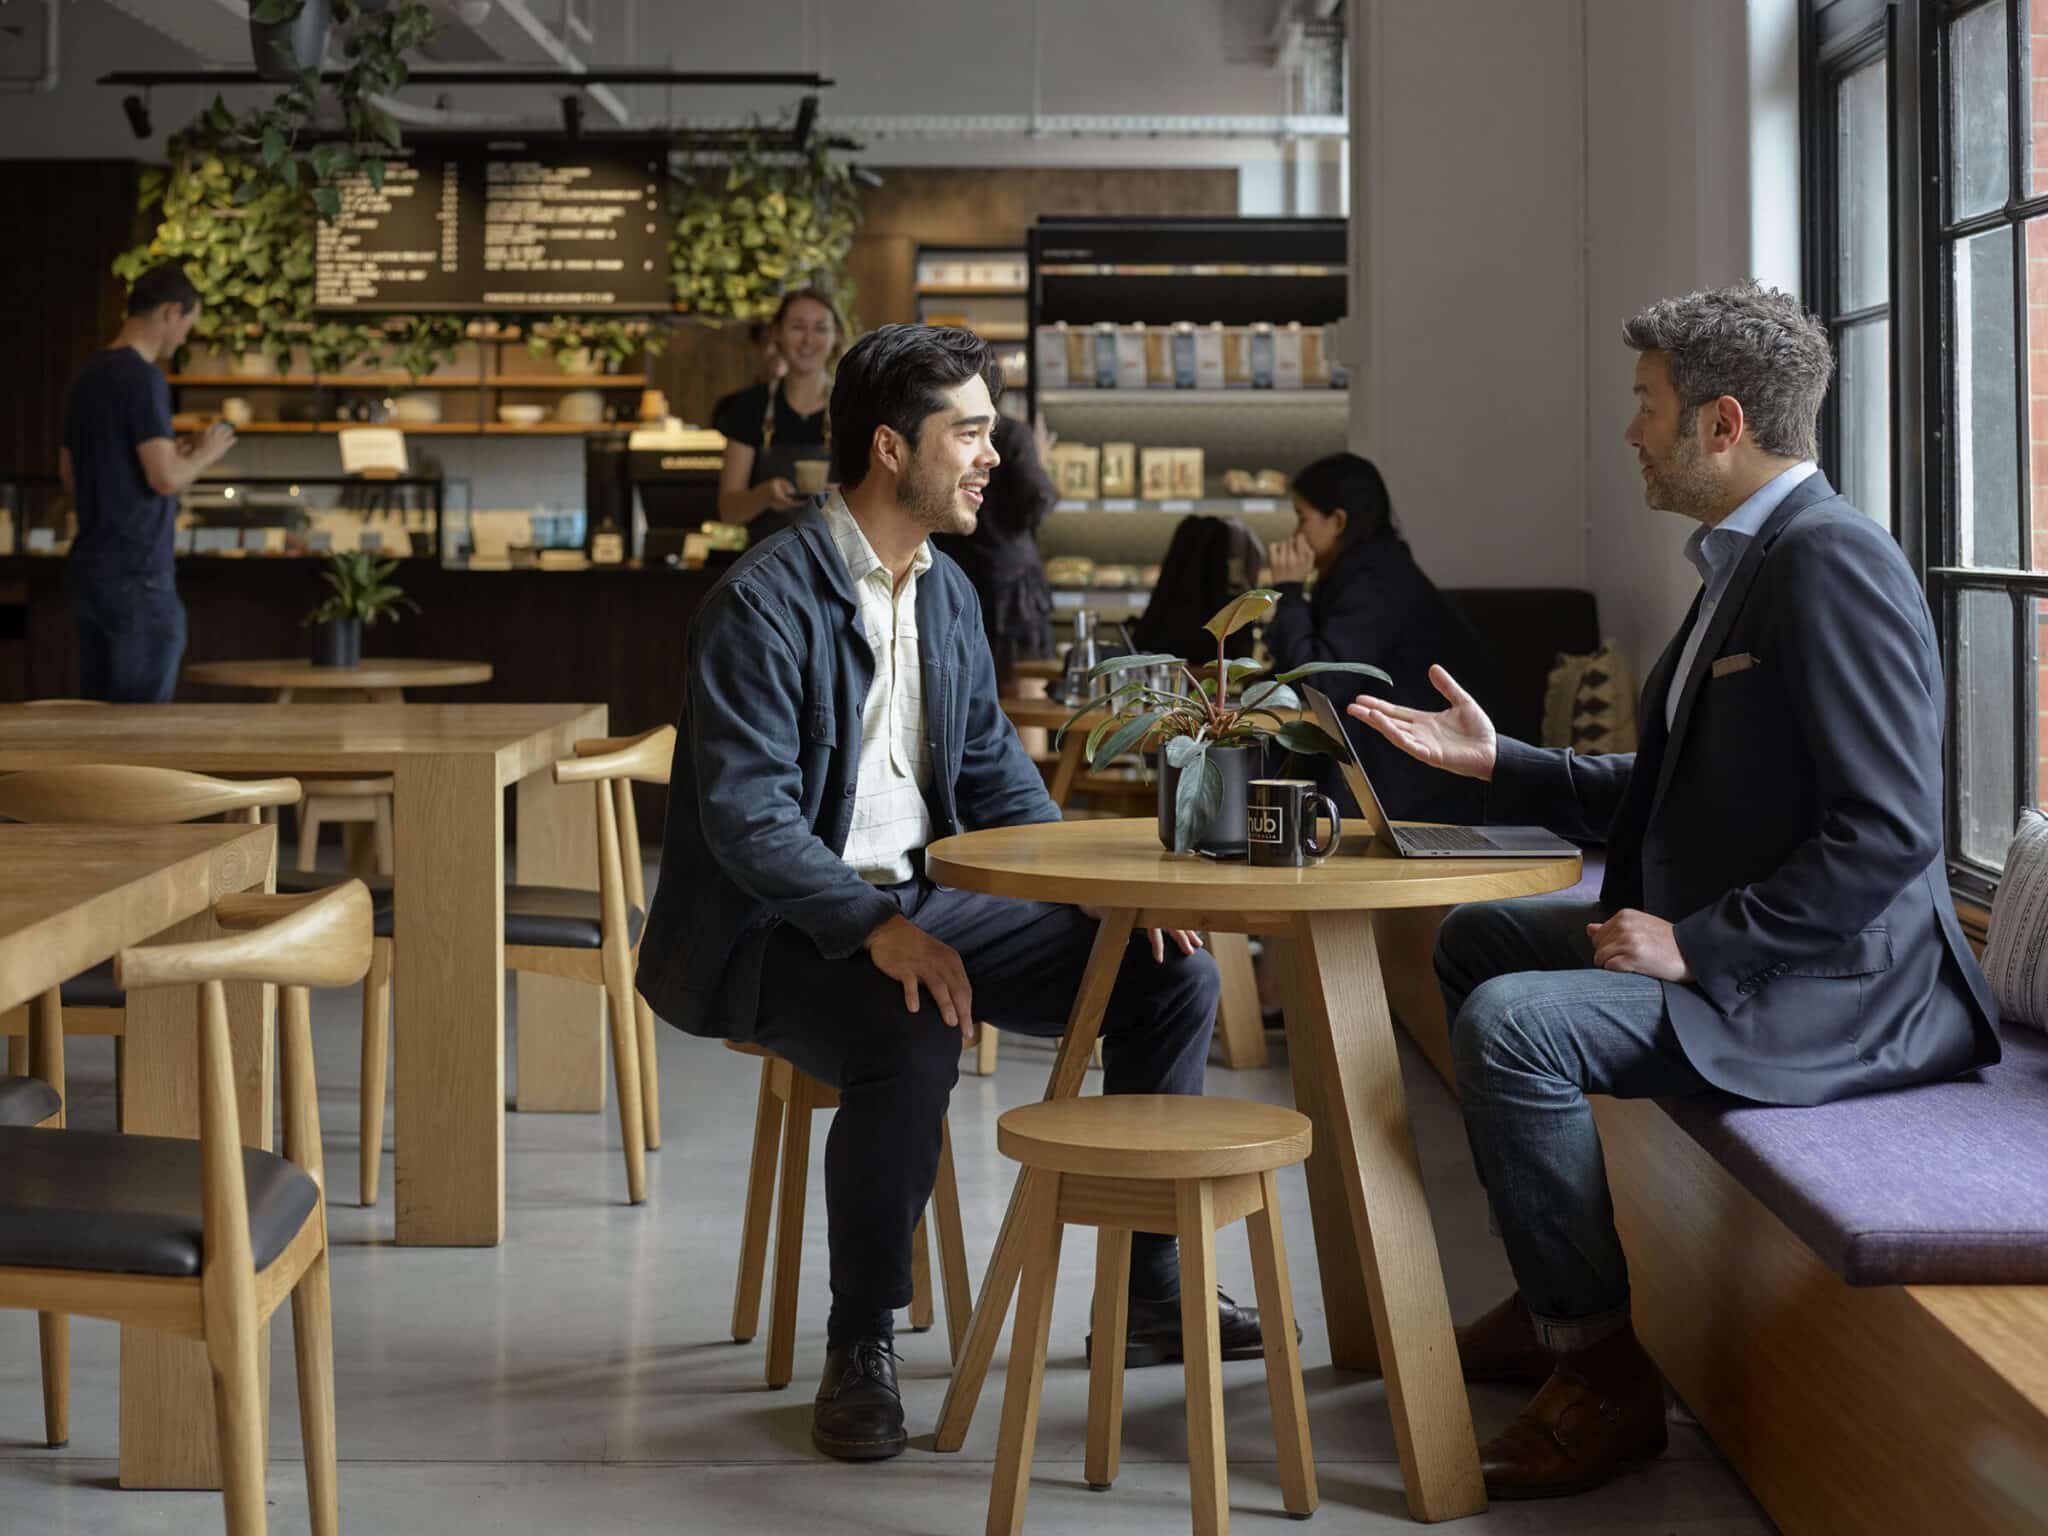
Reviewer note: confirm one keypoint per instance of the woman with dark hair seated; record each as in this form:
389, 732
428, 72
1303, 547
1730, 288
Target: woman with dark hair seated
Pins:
1370, 603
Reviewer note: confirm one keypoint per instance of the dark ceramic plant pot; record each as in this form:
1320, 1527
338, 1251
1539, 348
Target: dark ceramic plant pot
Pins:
1223, 831
338, 643
303, 39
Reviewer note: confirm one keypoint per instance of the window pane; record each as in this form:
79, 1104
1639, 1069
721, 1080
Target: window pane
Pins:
2037, 387
1983, 726
1863, 396
1863, 274
1987, 499
1978, 165
2038, 610
2034, 70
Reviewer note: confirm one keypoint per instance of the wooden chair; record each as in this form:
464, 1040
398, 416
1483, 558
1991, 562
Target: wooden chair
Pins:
205, 1240
38, 1100
591, 936
108, 795
1153, 1163
783, 1117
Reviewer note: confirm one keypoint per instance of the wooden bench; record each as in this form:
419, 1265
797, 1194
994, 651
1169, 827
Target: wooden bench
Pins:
1849, 1390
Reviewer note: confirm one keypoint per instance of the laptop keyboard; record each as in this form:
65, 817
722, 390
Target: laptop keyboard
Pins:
1445, 839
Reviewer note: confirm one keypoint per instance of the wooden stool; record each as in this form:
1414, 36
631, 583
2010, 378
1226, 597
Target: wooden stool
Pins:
353, 802
785, 1089
1153, 1163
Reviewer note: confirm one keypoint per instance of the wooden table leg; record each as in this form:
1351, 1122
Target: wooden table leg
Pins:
1338, 1029
1063, 776
561, 1022
449, 1019
1069, 1071
1238, 1019
167, 1438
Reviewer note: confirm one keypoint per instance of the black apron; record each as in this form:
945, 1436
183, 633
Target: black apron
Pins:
779, 459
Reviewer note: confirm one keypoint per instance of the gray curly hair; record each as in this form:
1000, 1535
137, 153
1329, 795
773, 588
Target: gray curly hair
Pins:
1749, 341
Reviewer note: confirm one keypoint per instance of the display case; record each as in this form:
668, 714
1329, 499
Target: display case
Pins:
984, 289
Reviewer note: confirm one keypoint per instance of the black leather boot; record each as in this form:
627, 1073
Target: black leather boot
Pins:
1152, 1335
858, 1415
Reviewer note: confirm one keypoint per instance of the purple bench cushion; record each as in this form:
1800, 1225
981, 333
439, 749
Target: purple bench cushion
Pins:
1943, 1184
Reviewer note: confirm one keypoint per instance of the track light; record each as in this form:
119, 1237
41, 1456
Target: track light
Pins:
137, 110
572, 116
866, 177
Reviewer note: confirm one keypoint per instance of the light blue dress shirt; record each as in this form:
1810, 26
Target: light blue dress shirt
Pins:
1714, 553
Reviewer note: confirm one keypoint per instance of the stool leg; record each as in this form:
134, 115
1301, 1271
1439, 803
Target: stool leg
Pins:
17, 1055
985, 1049
952, 1246
376, 1070
1019, 1436
53, 1333
746, 1293
789, 1231
1106, 1355
1202, 1354
920, 1277
1283, 1355
309, 835
380, 834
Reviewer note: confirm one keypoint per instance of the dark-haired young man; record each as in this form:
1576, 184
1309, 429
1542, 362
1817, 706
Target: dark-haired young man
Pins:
840, 712
124, 468
1775, 920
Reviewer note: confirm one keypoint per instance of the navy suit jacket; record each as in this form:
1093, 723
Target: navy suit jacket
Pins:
1789, 823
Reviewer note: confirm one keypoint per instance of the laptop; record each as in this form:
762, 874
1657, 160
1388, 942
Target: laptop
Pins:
1430, 842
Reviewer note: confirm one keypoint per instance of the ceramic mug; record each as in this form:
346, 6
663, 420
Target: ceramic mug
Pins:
1279, 817
811, 475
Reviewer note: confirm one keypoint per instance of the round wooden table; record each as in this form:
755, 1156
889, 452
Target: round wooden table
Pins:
377, 681
1383, 1288
1045, 668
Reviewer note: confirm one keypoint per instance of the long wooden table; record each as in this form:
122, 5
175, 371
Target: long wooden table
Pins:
451, 764
1383, 1290
71, 898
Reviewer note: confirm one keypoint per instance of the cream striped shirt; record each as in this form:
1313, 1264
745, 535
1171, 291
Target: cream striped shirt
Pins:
890, 817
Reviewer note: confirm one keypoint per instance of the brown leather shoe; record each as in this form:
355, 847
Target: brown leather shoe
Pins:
1601, 1408
1502, 1346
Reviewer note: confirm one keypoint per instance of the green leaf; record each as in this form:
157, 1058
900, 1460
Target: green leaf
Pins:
1306, 736
1195, 799
1125, 663
1359, 668
1270, 695
273, 145
374, 169
387, 128
1078, 715
271, 12
327, 201
1127, 737
1184, 749
1245, 608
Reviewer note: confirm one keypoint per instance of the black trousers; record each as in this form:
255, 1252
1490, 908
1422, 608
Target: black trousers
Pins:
844, 1022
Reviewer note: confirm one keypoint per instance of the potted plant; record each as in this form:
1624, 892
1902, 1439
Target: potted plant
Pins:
585, 346
362, 593
1206, 740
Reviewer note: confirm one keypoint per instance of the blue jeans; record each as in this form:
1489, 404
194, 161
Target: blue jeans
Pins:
131, 637
1534, 1029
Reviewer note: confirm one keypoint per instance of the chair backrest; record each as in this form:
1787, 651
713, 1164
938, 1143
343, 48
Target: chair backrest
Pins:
62, 703
294, 943
122, 795
618, 762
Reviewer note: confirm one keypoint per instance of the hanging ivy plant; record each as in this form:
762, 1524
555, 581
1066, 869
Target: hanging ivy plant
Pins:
419, 344
614, 343
752, 223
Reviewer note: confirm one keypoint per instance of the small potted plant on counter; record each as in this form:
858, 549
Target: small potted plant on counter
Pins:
362, 593
1206, 740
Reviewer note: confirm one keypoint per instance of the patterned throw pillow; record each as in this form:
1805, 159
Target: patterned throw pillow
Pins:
2016, 954
1589, 703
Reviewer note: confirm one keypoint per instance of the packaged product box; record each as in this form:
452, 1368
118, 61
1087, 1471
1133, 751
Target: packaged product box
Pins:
1186, 469
1209, 357
1159, 358
1051, 359
1315, 367
1119, 469
1130, 356
1237, 357
1261, 363
1076, 470
1105, 356
1155, 473
1287, 358
1080, 358
1184, 365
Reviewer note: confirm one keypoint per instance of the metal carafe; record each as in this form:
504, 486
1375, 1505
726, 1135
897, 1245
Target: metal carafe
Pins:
1081, 659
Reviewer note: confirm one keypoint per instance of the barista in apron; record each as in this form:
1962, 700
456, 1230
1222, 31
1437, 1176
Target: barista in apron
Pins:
778, 434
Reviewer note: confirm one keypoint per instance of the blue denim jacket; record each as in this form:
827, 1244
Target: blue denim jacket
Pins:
761, 795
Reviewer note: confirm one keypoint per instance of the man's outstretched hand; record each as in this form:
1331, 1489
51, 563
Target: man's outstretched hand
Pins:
1458, 740
1635, 941
904, 952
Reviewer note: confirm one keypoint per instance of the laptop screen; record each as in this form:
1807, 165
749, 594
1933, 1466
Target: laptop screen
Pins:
1369, 807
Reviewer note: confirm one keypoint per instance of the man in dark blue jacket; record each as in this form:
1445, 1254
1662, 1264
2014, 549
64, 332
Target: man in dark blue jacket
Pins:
841, 712
1775, 920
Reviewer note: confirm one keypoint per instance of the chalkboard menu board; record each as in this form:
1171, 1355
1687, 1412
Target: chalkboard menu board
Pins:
501, 225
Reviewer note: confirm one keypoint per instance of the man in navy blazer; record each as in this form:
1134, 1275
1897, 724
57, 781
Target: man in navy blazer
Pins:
1775, 920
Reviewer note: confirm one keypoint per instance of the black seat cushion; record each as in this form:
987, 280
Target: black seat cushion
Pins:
27, 1100
305, 882
555, 917
130, 1205
95, 988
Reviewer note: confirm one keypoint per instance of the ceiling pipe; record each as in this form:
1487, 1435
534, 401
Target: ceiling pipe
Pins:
558, 50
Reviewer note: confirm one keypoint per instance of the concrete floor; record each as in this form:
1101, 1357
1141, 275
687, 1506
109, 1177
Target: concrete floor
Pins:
581, 1377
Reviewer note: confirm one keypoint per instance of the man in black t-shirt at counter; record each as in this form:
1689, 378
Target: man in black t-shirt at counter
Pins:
124, 470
